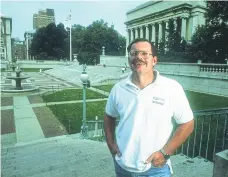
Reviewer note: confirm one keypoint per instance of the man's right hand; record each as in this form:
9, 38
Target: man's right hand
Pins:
114, 149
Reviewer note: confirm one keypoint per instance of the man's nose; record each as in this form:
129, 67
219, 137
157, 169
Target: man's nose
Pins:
138, 55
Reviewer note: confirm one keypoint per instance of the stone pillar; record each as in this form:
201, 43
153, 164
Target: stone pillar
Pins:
153, 33
175, 23
103, 51
127, 42
136, 33
96, 133
147, 32
160, 32
183, 27
221, 164
132, 36
166, 35
141, 31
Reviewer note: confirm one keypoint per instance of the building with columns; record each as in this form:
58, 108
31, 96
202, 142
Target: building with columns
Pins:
5, 40
152, 19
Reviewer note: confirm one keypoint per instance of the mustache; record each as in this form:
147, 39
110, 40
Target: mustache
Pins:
138, 61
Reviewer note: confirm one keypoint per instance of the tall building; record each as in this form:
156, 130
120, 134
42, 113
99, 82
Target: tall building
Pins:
5, 40
43, 18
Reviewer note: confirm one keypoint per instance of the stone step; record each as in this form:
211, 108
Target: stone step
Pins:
51, 158
45, 145
59, 149
196, 167
35, 160
179, 158
62, 166
69, 156
78, 163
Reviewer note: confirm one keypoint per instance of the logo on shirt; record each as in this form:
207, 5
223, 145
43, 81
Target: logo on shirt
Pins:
158, 100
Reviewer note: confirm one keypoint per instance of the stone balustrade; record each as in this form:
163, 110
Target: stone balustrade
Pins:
214, 68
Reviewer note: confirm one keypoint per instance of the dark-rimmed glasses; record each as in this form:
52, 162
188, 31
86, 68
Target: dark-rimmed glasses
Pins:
143, 54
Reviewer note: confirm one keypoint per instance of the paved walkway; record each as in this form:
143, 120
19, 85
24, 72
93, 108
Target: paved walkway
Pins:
54, 103
26, 123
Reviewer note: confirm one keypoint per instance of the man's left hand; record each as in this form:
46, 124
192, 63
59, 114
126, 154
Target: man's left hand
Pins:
157, 159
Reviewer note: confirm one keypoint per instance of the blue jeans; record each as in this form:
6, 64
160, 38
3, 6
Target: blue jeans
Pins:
152, 172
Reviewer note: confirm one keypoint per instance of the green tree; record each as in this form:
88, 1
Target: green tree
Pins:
91, 39
209, 43
50, 42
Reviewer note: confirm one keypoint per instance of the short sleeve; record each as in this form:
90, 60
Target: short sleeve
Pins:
110, 108
182, 112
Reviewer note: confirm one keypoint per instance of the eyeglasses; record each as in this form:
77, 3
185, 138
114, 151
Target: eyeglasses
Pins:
144, 54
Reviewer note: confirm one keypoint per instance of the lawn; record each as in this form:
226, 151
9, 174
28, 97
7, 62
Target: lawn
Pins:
34, 69
106, 88
201, 101
73, 112
72, 94
198, 101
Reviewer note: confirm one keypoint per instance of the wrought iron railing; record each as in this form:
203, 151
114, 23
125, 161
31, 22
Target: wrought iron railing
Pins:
209, 137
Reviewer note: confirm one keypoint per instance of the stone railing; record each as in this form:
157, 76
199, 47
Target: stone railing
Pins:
191, 68
214, 68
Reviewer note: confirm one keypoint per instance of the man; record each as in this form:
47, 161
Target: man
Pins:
146, 102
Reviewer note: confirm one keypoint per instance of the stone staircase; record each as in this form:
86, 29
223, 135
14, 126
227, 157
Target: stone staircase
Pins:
68, 156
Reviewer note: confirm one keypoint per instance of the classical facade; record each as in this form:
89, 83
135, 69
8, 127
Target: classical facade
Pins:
5, 40
151, 20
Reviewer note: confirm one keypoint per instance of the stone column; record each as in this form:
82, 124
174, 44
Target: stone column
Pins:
147, 32
132, 36
127, 42
183, 27
141, 31
175, 23
136, 33
160, 32
153, 33
166, 35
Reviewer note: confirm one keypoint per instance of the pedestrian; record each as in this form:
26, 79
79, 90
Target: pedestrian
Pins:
146, 104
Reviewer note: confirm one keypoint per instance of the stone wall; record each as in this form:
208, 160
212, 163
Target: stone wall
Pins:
205, 78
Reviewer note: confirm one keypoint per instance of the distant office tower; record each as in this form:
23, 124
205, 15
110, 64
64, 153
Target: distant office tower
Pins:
43, 18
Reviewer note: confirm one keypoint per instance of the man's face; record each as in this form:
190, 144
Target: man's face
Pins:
140, 58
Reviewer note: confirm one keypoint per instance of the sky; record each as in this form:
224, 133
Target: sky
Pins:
83, 13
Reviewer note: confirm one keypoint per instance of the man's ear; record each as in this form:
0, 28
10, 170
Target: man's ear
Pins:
155, 60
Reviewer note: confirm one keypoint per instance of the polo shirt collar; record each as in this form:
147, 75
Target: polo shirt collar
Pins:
129, 79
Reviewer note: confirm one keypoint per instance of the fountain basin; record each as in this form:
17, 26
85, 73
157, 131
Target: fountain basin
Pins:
25, 88
18, 81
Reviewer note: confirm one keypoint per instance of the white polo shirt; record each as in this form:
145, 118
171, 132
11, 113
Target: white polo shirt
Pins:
146, 118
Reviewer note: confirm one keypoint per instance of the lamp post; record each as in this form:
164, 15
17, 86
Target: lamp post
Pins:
84, 78
27, 36
68, 21
70, 38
